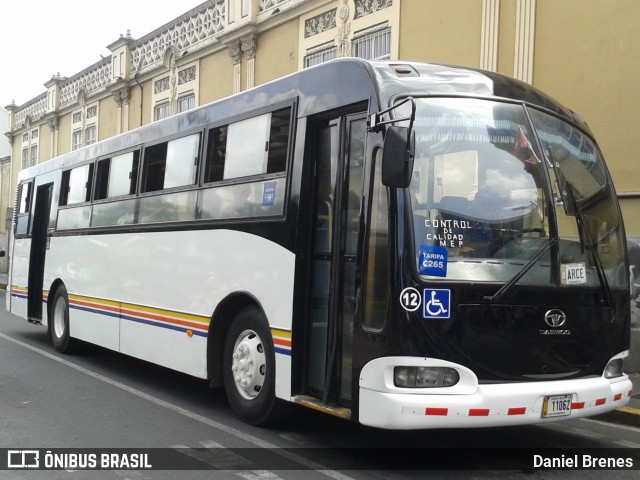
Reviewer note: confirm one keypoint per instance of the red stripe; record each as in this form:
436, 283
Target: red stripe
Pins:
517, 411
577, 405
282, 341
478, 412
436, 411
617, 397
601, 401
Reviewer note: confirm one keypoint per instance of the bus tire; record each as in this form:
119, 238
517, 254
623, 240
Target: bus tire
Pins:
59, 322
249, 368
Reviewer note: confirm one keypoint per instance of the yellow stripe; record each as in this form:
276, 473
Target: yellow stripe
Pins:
169, 313
276, 332
634, 411
139, 308
101, 301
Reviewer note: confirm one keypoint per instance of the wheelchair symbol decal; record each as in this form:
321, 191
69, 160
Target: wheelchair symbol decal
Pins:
436, 303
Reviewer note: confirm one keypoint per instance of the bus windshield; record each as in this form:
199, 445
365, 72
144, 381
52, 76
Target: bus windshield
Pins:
479, 201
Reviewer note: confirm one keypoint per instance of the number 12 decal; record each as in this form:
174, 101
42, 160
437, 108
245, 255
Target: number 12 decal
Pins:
410, 299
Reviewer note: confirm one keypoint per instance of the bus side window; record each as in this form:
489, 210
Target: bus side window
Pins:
76, 185
254, 146
171, 164
216, 155
279, 140
25, 197
22, 217
117, 176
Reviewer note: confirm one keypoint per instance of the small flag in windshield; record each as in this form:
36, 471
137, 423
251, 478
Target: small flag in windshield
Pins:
522, 149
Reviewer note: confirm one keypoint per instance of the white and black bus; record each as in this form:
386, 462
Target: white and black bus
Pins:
405, 245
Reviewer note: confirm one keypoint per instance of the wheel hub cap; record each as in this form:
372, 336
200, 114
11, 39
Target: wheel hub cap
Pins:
249, 364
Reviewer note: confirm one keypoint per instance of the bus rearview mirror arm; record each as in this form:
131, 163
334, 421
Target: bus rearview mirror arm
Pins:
399, 145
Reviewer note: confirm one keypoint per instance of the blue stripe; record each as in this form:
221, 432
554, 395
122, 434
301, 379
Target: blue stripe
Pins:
282, 351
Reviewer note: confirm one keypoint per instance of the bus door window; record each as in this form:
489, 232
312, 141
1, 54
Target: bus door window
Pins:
337, 227
326, 167
41, 214
22, 220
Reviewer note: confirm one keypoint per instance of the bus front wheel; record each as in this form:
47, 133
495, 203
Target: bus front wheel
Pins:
59, 322
249, 368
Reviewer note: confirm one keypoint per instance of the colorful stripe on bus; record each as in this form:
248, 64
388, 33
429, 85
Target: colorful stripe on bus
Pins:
170, 319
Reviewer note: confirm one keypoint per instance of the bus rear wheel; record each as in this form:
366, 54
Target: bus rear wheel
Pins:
59, 322
249, 368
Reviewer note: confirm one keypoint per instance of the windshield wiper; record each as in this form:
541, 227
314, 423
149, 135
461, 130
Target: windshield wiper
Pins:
507, 286
585, 231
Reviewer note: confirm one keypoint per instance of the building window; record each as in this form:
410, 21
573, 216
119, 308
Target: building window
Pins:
186, 102
90, 135
320, 55
34, 155
85, 132
30, 148
175, 91
76, 140
161, 111
25, 157
373, 43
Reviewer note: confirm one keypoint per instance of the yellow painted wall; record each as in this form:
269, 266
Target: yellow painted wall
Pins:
44, 142
134, 106
442, 32
216, 77
107, 118
277, 53
64, 134
594, 70
507, 37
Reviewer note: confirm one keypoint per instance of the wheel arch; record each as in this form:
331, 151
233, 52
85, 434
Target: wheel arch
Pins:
221, 320
57, 283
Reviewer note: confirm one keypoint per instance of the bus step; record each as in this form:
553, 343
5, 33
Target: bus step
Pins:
316, 404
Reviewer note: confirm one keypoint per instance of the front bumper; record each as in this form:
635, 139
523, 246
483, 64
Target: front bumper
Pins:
470, 404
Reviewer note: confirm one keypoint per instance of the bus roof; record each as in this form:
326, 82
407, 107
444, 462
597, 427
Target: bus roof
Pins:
324, 87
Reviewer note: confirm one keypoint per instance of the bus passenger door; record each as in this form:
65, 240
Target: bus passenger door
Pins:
339, 151
41, 214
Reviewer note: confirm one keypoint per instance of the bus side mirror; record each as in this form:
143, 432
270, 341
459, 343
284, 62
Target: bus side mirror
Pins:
397, 157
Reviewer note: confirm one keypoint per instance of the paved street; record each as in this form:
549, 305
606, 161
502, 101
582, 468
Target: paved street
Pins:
99, 399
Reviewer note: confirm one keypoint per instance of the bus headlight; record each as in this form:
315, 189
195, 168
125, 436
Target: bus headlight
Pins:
425, 377
613, 369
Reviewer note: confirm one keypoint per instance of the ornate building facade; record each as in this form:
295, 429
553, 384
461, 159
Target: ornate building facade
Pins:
585, 57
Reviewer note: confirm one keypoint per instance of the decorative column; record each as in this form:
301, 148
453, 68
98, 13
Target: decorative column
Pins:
249, 46
53, 126
525, 34
121, 96
235, 52
489, 36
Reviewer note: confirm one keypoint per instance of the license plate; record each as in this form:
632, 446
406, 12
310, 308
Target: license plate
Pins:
557, 406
